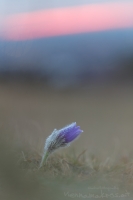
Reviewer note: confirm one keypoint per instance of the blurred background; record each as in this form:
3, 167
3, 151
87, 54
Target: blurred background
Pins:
65, 61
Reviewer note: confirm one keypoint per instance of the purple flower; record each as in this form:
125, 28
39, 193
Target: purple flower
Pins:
60, 138
69, 133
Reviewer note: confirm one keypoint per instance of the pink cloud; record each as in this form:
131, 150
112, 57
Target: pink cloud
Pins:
63, 21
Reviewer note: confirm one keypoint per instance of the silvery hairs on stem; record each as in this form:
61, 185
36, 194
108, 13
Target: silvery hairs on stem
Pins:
60, 138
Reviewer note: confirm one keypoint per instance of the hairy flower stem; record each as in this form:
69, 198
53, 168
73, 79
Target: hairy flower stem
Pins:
44, 158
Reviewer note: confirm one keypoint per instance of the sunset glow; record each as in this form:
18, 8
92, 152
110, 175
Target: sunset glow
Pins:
64, 21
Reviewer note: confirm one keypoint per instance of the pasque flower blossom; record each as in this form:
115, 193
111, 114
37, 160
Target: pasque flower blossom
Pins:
60, 138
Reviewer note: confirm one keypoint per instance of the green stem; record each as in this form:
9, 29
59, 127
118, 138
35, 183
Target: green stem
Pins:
44, 158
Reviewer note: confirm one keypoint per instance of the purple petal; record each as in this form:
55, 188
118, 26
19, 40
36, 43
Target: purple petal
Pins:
71, 136
70, 132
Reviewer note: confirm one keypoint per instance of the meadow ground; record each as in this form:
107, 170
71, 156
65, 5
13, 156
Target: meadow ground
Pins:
100, 161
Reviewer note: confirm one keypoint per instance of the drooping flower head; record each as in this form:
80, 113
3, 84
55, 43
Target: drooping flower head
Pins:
60, 138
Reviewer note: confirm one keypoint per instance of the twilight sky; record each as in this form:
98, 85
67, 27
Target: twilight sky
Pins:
17, 6
28, 19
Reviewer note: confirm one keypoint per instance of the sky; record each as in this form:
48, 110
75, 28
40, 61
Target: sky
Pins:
29, 19
16, 6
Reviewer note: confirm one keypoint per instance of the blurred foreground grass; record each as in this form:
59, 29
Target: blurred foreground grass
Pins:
64, 176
